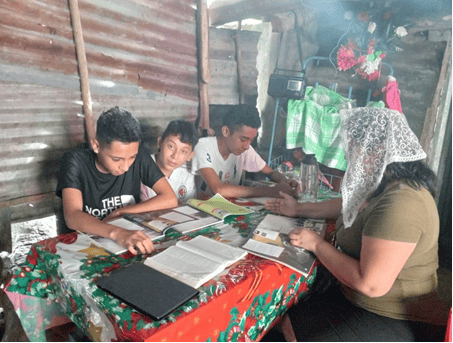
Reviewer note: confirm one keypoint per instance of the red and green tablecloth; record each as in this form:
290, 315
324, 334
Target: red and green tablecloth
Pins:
57, 283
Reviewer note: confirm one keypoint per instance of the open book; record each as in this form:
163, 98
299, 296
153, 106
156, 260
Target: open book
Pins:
270, 240
196, 261
184, 219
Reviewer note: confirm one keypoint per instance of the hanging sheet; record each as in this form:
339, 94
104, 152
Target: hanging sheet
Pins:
314, 124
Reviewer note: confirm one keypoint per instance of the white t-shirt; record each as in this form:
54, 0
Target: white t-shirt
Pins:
207, 155
181, 180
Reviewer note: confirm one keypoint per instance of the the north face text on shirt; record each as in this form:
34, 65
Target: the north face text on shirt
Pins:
109, 205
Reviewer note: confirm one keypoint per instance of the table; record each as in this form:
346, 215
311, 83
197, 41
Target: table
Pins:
57, 284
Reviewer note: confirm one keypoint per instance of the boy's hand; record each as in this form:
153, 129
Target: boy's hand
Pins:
285, 205
132, 240
285, 187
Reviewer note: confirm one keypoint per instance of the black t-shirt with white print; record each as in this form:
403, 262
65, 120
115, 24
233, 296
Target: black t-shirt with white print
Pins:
103, 193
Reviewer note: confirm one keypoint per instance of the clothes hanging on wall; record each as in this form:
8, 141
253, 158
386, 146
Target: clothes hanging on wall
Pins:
392, 94
314, 124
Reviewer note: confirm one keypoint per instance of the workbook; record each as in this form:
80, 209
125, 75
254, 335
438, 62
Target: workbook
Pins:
196, 261
270, 240
219, 207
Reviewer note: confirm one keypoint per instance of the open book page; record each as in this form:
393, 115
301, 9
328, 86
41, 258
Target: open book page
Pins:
218, 206
114, 247
183, 219
270, 240
197, 262
214, 250
184, 265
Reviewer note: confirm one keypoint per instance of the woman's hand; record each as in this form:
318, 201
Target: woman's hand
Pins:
132, 240
286, 205
305, 238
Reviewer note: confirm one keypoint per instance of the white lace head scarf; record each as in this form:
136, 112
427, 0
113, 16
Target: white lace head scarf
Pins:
372, 139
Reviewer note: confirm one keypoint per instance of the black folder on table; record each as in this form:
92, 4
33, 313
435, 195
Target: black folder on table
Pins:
147, 290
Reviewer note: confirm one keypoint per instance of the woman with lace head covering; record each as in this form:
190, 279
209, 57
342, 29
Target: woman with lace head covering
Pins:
386, 231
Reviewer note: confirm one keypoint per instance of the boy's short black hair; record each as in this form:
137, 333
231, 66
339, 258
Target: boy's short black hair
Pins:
184, 129
240, 115
117, 124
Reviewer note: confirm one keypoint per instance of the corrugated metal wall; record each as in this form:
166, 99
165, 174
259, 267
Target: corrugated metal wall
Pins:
141, 55
224, 86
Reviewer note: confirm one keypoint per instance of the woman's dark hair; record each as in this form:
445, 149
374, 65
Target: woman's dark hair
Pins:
240, 115
117, 124
184, 129
416, 174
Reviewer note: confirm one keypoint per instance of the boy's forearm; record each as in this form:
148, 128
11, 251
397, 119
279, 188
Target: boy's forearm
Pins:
276, 176
158, 202
234, 191
86, 223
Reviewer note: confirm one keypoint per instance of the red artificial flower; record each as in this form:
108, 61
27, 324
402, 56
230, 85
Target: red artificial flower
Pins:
374, 75
346, 57
363, 16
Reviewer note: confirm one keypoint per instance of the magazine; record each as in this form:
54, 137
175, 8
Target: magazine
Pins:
270, 240
196, 261
183, 219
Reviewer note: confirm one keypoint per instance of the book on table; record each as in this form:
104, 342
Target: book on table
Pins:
147, 290
270, 240
196, 215
196, 261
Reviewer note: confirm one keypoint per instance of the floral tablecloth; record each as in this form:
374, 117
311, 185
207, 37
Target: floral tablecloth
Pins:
240, 304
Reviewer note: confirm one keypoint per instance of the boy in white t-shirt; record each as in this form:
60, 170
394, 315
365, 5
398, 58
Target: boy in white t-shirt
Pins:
175, 151
220, 160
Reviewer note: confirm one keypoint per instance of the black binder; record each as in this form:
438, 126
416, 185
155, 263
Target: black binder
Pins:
147, 290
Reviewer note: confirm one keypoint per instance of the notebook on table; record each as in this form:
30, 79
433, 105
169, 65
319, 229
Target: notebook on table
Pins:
147, 290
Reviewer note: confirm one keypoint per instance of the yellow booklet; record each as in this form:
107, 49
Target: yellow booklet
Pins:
218, 207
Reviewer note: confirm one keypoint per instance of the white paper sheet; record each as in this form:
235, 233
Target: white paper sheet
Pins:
217, 251
125, 224
263, 248
279, 224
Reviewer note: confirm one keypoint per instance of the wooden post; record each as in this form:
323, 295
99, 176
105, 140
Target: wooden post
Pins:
431, 118
203, 63
83, 70
238, 57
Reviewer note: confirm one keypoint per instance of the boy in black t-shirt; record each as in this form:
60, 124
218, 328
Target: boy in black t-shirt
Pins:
104, 183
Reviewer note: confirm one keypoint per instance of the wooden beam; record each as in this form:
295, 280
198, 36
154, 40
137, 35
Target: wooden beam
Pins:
432, 114
203, 64
83, 70
227, 11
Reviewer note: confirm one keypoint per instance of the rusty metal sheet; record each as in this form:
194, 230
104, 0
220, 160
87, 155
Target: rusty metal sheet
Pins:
151, 45
142, 55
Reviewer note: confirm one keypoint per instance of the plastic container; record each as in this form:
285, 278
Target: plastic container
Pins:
309, 179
